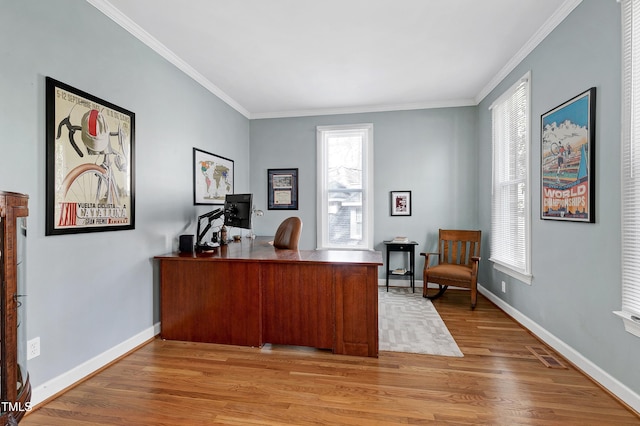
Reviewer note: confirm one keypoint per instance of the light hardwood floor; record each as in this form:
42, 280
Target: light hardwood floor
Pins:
497, 382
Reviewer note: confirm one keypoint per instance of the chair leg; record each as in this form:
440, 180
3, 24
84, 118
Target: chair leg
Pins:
474, 296
441, 290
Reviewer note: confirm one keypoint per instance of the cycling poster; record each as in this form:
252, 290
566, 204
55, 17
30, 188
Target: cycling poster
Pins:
567, 160
90, 185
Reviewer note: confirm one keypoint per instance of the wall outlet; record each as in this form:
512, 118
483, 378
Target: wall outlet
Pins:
33, 348
504, 287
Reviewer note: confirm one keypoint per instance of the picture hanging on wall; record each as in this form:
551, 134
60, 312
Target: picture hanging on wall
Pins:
90, 162
212, 177
282, 189
568, 160
400, 203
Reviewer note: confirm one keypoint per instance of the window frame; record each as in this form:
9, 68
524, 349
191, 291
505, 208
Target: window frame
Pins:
322, 241
521, 271
630, 172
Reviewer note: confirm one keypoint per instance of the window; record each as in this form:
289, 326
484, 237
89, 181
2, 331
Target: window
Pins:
631, 166
510, 212
345, 186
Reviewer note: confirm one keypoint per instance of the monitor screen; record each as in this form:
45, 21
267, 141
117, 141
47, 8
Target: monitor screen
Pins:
237, 210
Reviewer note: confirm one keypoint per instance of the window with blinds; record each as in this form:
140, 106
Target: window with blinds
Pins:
510, 211
631, 166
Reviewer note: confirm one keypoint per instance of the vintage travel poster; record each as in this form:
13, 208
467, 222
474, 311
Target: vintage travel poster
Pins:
567, 160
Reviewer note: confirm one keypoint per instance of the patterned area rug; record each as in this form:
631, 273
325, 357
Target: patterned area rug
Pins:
409, 323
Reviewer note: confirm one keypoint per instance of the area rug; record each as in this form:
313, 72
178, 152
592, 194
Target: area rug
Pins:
408, 322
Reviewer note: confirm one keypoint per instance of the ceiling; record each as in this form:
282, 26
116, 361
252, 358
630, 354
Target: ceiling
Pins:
279, 58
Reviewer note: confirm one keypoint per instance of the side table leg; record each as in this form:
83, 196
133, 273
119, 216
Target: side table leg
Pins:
412, 262
387, 266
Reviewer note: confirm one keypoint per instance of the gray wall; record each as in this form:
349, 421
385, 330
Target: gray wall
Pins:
431, 153
88, 293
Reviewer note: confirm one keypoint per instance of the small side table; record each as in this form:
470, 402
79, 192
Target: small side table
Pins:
408, 247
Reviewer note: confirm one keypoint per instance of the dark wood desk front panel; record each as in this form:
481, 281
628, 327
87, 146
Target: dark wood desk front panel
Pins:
298, 305
249, 294
356, 302
214, 302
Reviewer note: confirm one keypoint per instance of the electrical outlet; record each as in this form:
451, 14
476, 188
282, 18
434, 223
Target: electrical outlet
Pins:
504, 287
33, 348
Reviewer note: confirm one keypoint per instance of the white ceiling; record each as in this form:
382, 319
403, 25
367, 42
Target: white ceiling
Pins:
276, 58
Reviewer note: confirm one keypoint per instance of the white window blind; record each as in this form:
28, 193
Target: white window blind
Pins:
631, 165
510, 215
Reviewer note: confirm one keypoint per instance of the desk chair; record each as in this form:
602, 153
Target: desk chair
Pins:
458, 256
288, 234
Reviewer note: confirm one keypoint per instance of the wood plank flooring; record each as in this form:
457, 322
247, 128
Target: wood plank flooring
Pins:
498, 382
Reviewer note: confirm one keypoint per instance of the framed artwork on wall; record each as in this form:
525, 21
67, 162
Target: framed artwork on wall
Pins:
568, 160
212, 177
400, 203
90, 162
282, 189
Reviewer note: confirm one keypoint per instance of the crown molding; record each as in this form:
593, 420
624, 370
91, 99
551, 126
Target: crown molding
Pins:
121, 19
363, 109
559, 15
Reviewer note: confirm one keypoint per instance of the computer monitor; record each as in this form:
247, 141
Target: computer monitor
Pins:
237, 210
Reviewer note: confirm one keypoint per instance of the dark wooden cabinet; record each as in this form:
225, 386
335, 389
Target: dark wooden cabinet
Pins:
14, 387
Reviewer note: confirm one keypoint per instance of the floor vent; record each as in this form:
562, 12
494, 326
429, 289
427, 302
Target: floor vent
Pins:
545, 357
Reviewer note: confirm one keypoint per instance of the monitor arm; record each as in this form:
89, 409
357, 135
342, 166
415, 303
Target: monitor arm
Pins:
209, 217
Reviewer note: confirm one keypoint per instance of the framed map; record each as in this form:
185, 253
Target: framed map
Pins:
212, 177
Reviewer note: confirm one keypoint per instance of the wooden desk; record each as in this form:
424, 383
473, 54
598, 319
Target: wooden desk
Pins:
248, 293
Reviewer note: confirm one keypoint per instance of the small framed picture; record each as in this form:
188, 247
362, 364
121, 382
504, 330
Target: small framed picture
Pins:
400, 203
283, 189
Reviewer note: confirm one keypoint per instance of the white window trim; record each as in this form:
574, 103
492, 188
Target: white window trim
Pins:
630, 143
630, 325
523, 275
367, 194
508, 270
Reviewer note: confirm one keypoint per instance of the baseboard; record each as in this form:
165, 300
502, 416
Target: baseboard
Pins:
58, 384
611, 384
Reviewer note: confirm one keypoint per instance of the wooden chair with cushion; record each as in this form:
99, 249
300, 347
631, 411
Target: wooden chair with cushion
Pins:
288, 234
458, 257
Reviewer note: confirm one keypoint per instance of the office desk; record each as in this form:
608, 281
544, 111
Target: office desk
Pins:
248, 293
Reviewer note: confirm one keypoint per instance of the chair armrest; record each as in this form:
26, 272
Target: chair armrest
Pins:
475, 260
427, 256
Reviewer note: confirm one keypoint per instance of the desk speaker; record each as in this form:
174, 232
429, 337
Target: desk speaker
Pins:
186, 244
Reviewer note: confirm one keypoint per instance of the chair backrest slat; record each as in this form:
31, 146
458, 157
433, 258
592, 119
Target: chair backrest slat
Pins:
458, 246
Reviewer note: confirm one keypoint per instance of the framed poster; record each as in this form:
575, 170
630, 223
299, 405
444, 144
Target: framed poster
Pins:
212, 177
400, 203
282, 189
568, 160
90, 162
